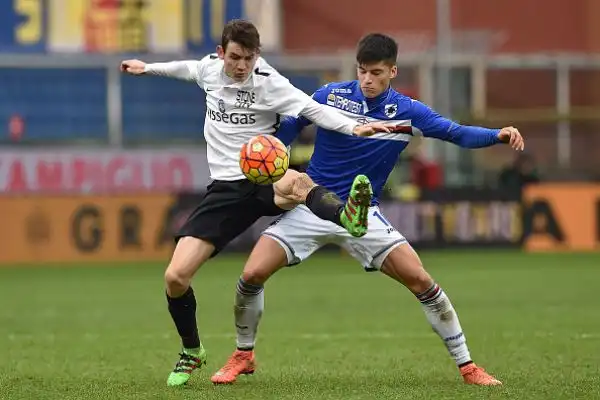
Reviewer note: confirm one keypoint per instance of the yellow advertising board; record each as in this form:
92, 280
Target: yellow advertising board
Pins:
38, 229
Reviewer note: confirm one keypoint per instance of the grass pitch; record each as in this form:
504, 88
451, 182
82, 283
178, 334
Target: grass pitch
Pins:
330, 331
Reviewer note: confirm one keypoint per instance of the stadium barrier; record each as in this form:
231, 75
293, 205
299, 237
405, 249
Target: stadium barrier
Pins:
139, 227
562, 217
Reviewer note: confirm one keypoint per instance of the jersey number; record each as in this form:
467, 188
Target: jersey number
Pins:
381, 218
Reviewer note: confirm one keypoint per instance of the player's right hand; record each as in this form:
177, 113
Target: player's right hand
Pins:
370, 129
133, 67
513, 137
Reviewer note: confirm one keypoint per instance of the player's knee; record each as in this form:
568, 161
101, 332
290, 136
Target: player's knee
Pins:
419, 282
255, 276
301, 186
177, 282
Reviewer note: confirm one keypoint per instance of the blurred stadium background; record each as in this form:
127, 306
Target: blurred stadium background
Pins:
97, 169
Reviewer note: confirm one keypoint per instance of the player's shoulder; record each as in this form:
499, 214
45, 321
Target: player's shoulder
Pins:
210, 66
330, 91
265, 75
211, 59
342, 88
398, 104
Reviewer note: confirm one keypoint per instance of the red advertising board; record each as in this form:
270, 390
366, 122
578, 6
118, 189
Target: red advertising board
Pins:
102, 171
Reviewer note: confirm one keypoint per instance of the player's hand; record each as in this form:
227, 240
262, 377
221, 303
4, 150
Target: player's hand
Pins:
370, 129
512, 136
133, 67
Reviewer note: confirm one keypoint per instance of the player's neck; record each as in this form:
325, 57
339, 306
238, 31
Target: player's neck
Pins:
373, 102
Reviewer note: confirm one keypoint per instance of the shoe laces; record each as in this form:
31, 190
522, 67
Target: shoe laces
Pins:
232, 362
186, 363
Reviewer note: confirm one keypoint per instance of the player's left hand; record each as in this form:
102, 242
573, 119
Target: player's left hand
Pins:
512, 136
370, 129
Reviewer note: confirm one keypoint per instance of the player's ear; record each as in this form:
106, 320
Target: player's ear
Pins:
221, 52
394, 72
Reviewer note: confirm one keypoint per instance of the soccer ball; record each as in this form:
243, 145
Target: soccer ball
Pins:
264, 159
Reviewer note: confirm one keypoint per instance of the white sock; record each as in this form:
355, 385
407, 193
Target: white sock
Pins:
248, 308
444, 321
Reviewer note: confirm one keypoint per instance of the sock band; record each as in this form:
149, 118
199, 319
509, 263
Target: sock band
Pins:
313, 192
248, 289
184, 299
431, 294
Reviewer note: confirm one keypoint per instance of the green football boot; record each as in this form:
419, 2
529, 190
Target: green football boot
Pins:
189, 360
355, 217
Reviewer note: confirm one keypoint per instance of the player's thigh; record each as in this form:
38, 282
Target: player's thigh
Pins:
227, 210
300, 233
404, 265
189, 254
292, 189
372, 249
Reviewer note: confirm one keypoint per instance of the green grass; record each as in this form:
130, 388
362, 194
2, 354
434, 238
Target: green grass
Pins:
330, 331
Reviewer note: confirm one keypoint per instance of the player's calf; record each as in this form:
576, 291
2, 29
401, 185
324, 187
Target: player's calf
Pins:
189, 254
266, 258
404, 265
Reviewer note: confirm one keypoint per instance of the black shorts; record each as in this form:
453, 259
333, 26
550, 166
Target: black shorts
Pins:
227, 210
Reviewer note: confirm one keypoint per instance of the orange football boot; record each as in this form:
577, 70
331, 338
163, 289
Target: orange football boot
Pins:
474, 375
240, 363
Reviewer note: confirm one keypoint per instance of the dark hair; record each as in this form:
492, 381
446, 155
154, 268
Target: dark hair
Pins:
241, 32
376, 47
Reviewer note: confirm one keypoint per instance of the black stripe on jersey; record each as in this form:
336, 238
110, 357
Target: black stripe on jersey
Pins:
276, 124
213, 56
261, 73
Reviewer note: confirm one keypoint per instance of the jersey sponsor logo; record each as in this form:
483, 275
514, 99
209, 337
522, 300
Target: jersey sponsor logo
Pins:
245, 99
343, 103
341, 90
221, 105
391, 110
231, 118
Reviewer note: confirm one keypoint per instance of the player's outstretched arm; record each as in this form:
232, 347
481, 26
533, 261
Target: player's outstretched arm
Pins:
286, 99
472, 137
185, 70
330, 119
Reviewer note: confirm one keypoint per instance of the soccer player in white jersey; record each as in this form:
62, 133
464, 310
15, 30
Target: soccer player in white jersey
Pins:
336, 158
245, 96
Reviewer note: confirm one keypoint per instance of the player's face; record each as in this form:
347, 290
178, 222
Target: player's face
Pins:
239, 61
375, 78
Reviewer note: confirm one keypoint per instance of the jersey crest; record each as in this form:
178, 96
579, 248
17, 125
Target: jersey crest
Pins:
390, 110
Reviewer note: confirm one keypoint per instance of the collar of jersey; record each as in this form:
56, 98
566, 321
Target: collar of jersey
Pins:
382, 98
230, 83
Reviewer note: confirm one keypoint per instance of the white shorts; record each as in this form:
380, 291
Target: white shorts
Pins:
301, 233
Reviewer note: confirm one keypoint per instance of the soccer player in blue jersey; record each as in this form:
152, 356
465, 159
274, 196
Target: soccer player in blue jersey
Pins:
336, 160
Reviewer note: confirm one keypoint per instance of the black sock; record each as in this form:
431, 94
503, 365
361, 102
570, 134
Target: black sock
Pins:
325, 204
183, 312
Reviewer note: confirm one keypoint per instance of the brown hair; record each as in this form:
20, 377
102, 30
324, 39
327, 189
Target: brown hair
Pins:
241, 32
